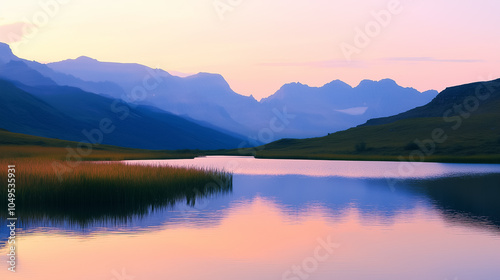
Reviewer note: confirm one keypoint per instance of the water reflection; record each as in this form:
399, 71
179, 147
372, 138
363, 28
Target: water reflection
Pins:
265, 224
470, 199
131, 217
466, 199
328, 168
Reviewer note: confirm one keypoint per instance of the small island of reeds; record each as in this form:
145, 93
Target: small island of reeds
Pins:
93, 191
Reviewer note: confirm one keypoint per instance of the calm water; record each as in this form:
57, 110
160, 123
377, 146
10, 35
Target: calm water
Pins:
288, 219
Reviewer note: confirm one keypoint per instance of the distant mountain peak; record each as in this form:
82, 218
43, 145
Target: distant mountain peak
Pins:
337, 84
388, 81
431, 91
368, 82
84, 58
206, 75
6, 53
81, 60
4, 46
294, 85
209, 77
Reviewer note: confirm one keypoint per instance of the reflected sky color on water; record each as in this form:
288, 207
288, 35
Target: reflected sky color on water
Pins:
325, 168
276, 227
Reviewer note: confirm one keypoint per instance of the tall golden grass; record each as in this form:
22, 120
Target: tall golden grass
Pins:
91, 191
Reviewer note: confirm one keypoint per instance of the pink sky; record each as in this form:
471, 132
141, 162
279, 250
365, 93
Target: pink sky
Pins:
260, 45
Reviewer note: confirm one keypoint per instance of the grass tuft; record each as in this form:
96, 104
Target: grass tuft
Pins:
96, 191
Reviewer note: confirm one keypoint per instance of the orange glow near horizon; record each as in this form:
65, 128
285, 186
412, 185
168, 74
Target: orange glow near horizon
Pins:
260, 45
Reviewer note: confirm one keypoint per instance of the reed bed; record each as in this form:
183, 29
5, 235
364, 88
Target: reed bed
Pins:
92, 191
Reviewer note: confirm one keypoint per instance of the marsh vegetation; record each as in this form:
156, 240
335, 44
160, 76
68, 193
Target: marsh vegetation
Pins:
90, 191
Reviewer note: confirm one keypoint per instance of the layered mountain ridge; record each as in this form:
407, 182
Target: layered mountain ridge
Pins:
207, 100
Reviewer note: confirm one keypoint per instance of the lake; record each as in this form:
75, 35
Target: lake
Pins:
288, 219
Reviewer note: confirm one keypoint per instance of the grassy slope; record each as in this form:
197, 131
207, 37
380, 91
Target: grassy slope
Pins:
16, 145
477, 140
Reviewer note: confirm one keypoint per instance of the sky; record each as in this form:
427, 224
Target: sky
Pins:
259, 45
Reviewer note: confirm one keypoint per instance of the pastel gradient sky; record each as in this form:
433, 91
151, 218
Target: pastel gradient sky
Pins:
259, 45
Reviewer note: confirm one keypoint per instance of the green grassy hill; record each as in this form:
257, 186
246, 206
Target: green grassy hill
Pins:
18, 146
469, 133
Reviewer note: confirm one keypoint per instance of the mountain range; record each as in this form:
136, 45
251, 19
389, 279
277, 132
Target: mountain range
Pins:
209, 98
201, 111
34, 104
460, 124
